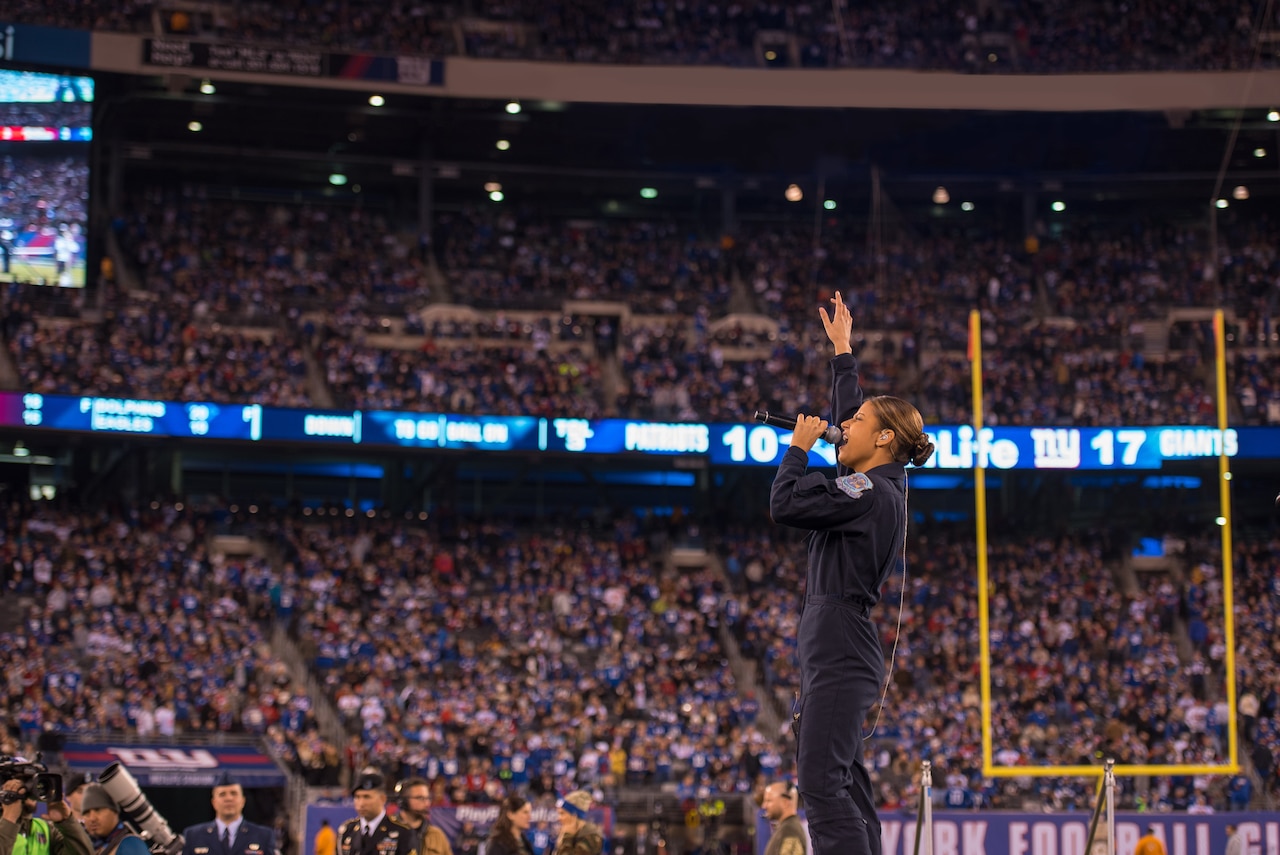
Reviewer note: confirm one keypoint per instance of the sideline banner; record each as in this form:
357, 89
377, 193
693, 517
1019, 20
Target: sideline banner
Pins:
998, 833
158, 765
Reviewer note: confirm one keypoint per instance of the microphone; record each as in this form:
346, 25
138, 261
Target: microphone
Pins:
832, 436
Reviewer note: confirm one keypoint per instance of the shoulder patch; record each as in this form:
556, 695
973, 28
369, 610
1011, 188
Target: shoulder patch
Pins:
854, 485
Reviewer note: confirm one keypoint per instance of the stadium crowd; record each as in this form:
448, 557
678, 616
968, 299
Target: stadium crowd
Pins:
136, 627
493, 656
40, 191
1020, 36
234, 304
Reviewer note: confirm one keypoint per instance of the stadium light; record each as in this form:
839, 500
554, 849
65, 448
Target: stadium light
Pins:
195, 127
941, 196
1241, 192
1259, 152
492, 187
648, 192
503, 145
337, 179
207, 87
794, 193
1222, 203
513, 107
966, 206
376, 100
496, 196
830, 204
1059, 206
1273, 116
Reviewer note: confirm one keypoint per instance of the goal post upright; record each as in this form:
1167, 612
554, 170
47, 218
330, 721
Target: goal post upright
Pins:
1228, 567
980, 519
989, 768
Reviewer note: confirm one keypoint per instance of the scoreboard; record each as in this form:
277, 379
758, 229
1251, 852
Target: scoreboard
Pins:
719, 443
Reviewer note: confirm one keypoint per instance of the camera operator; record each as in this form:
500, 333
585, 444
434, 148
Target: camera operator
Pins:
102, 820
23, 833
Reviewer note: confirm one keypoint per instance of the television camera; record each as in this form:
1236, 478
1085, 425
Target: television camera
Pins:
37, 781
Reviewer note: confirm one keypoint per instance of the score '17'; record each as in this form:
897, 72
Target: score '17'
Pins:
1105, 444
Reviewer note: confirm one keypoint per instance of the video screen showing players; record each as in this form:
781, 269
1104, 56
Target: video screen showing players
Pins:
45, 130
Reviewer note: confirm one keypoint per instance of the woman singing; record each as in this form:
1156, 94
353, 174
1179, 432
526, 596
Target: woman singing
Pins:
857, 523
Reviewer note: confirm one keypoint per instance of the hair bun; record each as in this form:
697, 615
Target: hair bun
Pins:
922, 451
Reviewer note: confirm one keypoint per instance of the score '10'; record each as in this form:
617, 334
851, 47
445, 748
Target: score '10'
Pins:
760, 443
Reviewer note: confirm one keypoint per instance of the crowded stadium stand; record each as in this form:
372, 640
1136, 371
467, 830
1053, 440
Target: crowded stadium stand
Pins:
398, 342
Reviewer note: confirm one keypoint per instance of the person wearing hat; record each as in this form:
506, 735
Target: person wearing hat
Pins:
229, 833
23, 833
76, 793
372, 832
109, 835
578, 836
413, 796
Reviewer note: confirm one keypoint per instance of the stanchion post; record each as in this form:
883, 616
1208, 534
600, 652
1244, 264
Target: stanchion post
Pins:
1109, 793
924, 812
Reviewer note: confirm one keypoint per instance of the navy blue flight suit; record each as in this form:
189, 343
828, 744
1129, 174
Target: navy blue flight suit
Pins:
856, 523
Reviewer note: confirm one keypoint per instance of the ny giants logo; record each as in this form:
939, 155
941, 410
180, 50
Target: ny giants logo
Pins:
165, 758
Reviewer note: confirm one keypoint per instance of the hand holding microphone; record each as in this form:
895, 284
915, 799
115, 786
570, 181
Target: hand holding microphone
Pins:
831, 433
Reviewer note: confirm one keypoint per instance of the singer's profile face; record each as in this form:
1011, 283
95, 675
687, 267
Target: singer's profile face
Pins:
860, 433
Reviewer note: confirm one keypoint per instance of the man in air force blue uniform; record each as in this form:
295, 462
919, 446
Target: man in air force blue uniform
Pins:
229, 833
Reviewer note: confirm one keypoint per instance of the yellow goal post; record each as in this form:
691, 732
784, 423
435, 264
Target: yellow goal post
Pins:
989, 768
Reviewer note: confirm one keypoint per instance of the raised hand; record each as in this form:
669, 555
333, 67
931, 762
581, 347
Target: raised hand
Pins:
839, 324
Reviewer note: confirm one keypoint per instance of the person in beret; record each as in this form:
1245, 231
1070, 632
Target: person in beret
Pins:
372, 832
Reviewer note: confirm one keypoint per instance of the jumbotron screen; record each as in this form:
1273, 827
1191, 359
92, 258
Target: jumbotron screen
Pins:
45, 131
